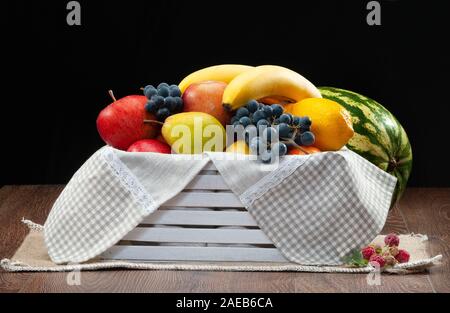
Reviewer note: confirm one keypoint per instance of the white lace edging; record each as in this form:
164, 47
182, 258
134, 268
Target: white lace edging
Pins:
129, 180
272, 179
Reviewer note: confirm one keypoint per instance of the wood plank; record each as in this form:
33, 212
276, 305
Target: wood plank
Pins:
207, 182
427, 211
203, 281
197, 235
206, 199
13, 282
16, 202
395, 223
189, 217
193, 254
5, 192
339, 282
30, 202
163, 281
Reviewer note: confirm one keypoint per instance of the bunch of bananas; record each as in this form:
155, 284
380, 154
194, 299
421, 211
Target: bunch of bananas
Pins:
245, 83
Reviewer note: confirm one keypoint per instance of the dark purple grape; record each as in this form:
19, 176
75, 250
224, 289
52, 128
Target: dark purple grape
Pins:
163, 91
307, 138
296, 121
304, 128
279, 148
252, 106
163, 85
178, 105
245, 121
150, 91
151, 106
268, 111
258, 115
158, 100
284, 130
285, 118
305, 121
262, 123
162, 114
174, 91
170, 103
277, 110
241, 112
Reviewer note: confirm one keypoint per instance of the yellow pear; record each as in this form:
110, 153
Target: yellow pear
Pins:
193, 133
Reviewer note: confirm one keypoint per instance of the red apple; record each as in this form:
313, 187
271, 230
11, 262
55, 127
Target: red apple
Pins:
206, 97
122, 122
149, 145
161, 138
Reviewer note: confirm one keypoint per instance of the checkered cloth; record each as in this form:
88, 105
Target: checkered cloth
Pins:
331, 204
95, 210
315, 208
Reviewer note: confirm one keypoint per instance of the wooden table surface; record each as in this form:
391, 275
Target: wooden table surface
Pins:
425, 211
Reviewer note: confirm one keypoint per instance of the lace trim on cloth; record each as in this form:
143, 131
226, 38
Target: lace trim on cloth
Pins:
128, 180
285, 169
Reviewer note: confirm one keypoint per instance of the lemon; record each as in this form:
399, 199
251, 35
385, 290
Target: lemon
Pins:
331, 123
239, 147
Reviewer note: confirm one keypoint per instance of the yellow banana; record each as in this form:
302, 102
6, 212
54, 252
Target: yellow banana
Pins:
267, 81
224, 73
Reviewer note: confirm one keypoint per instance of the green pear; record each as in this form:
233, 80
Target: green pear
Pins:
193, 133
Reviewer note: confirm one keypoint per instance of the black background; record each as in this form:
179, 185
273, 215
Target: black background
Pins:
55, 77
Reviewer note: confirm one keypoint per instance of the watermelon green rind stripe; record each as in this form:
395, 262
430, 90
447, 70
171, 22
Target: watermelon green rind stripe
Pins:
364, 123
367, 129
379, 137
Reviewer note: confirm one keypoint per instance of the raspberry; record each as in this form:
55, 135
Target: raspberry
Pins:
376, 259
393, 251
367, 252
391, 240
402, 256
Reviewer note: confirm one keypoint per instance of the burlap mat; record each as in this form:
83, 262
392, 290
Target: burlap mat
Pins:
32, 257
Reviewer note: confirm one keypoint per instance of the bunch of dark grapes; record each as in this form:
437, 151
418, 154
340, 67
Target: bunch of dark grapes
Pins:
274, 130
163, 100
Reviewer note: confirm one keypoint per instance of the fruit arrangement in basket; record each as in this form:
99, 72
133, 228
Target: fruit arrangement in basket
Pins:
265, 111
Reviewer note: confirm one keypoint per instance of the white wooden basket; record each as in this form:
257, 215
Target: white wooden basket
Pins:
205, 222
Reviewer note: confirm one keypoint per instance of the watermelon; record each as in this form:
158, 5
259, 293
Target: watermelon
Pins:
379, 137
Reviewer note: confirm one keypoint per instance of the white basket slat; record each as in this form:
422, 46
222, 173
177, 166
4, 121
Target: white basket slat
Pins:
207, 182
180, 253
205, 222
194, 235
180, 208
205, 199
188, 217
